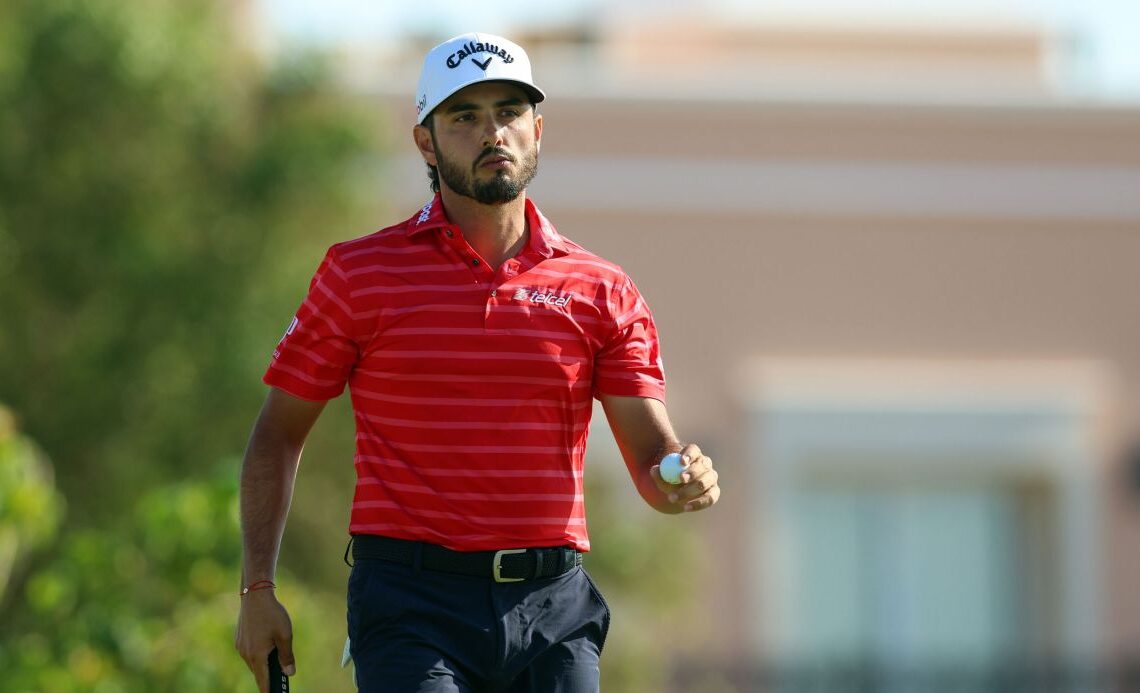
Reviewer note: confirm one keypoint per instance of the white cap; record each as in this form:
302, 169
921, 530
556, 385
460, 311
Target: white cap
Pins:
468, 59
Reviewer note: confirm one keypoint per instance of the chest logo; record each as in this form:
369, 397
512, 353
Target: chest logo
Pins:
540, 297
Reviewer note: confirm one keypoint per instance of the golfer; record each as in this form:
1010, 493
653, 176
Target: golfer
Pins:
473, 338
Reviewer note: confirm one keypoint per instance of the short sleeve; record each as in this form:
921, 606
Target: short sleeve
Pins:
629, 361
318, 352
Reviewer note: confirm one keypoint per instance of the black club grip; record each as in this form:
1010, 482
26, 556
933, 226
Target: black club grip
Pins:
278, 681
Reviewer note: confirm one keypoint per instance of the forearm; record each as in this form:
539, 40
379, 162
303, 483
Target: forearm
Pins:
644, 435
267, 477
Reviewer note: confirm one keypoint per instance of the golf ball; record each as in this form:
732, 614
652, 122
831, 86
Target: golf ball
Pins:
671, 467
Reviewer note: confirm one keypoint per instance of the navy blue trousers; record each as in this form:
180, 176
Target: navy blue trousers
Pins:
421, 631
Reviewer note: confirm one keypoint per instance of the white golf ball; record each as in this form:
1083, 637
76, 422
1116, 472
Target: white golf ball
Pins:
671, 468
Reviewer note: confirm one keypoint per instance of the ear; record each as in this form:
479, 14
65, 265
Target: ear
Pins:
422, 137
537, 132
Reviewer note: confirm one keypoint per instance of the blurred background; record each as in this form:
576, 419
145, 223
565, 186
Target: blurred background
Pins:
891, 250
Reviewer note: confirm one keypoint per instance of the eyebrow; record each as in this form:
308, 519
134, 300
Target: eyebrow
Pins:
512, 101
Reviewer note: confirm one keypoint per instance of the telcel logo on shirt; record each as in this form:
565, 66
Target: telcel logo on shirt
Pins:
542, 297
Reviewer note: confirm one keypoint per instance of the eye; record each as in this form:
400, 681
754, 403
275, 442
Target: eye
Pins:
464, 117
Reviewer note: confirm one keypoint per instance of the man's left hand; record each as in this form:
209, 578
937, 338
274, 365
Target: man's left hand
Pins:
698, 488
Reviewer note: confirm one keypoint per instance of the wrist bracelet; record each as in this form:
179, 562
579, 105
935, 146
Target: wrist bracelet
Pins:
255, 586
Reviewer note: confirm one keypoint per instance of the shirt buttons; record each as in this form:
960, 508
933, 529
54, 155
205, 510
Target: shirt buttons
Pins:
494, 293
475, 262
450, 233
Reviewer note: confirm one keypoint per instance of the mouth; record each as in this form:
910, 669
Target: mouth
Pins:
496, 161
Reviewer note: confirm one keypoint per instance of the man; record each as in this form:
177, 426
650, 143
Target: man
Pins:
473, 338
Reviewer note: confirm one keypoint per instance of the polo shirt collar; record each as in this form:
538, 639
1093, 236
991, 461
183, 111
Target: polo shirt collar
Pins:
544, 238
430, 217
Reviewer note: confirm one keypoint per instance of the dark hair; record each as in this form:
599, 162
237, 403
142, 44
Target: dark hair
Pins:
433, 172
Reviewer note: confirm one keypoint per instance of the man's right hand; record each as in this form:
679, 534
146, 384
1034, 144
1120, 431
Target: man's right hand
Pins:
263, 624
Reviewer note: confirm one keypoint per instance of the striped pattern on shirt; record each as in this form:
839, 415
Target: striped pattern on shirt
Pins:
471, 387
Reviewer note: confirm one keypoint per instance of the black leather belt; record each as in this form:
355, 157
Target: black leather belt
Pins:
506, 565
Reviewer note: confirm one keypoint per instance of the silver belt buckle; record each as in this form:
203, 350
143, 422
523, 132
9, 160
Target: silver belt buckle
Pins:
497, 565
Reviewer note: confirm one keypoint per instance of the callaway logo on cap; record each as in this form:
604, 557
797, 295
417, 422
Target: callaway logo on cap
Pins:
467, 59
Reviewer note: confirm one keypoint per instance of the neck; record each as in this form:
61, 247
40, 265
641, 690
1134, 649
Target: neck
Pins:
496, 232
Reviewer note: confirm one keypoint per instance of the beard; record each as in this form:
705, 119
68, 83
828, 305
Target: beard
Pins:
501, 188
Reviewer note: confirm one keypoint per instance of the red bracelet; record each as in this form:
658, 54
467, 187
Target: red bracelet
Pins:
255, 586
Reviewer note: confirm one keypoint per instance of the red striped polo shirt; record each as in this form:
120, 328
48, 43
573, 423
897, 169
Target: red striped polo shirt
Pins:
471, 387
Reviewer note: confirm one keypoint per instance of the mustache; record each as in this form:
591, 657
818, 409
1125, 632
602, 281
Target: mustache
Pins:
494, 151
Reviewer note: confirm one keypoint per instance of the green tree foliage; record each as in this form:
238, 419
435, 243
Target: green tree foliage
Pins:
149, 604
30, 507
162, 203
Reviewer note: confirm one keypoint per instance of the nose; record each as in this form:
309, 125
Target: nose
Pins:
492, 133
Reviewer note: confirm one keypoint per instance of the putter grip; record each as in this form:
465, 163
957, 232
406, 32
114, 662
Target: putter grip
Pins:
278, 681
